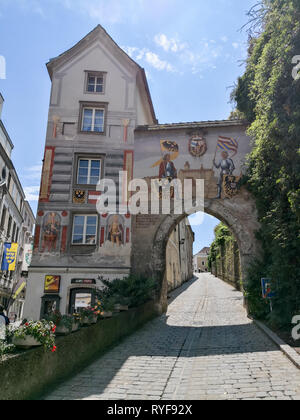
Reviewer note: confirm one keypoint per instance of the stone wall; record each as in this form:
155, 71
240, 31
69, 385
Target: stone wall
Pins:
179, 255
31, 373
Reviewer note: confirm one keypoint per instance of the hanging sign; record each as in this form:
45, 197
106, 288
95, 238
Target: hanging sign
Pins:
9, 257
27, 257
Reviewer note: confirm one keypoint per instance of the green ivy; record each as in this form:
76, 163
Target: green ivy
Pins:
222, 236
269, 98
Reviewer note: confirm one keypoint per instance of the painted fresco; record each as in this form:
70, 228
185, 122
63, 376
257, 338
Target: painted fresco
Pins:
115, 238
216, 157
50, 236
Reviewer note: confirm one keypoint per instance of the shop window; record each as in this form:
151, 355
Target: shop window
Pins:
81, 298
50, 304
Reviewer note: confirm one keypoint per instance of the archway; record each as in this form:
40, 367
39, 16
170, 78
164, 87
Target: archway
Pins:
149, 256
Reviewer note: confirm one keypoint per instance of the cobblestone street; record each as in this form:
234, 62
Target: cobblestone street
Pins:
204, 348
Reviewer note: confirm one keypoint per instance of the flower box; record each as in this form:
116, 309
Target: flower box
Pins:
26, 342
35, 334
75, 327
106, 314
62, 330
89, 321
94, 320
121, 308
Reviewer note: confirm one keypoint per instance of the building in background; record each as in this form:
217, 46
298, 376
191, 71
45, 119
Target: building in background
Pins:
201, 261
179, 255
16, 227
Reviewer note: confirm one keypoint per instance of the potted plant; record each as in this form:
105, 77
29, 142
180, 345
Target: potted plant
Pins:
107, 307
35, 334
76, 322
122, 306
65, 324
89, 316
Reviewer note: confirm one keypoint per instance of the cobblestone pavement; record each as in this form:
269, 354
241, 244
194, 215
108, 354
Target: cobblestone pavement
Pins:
204, 348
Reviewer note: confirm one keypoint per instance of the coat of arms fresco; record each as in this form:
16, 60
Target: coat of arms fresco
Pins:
197, 146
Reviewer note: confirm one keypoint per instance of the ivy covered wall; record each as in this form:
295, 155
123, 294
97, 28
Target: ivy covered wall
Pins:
224, 258
268, 95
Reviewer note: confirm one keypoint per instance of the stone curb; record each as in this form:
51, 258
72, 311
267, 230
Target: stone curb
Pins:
285, 348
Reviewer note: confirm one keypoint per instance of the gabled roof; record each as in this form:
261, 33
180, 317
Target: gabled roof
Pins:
99, 30
205, 250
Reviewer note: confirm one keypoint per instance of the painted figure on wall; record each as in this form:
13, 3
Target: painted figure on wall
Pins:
115, 231
227, 168
170, 152
51, 230
167, 168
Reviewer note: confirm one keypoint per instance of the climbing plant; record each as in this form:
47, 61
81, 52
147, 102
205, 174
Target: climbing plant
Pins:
222, 235
269, 98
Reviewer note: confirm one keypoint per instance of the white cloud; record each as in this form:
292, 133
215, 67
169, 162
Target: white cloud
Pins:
32, 193
150, 58
154, 60
235, 45
169, 44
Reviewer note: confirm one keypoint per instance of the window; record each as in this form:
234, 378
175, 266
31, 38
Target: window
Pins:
49, 305
13, 232
85, 230
89, 171
81, 298
9, 226
3, 218
93, 120
95, 83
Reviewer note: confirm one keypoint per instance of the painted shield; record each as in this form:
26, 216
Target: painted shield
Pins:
79, 197
231, 185
10, 257
197, 146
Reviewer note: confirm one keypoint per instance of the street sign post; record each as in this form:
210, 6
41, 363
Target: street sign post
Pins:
268, 290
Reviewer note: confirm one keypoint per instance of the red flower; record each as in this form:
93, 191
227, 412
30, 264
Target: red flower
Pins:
54, 349
54, 329
26, 325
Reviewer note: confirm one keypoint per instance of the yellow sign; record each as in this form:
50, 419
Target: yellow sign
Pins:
19, 290
52, 284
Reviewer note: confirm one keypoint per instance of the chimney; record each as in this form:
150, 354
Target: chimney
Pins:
1, 104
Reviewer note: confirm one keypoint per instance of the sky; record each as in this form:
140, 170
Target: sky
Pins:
193, 52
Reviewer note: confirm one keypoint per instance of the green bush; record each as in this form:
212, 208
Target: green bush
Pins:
133, 291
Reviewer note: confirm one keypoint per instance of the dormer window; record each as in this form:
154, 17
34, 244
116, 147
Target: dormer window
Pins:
95, 82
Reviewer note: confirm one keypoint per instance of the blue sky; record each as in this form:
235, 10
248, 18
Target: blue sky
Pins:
193, 53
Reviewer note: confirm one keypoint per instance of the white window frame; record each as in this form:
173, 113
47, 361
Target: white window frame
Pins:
89, 170
93, 120
84, 229
96, 76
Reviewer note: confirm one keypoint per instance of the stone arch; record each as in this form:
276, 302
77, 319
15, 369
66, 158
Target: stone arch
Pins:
238, 213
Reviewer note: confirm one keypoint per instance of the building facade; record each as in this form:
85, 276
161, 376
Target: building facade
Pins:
99, 96
201, 261
179, 255
16, 227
